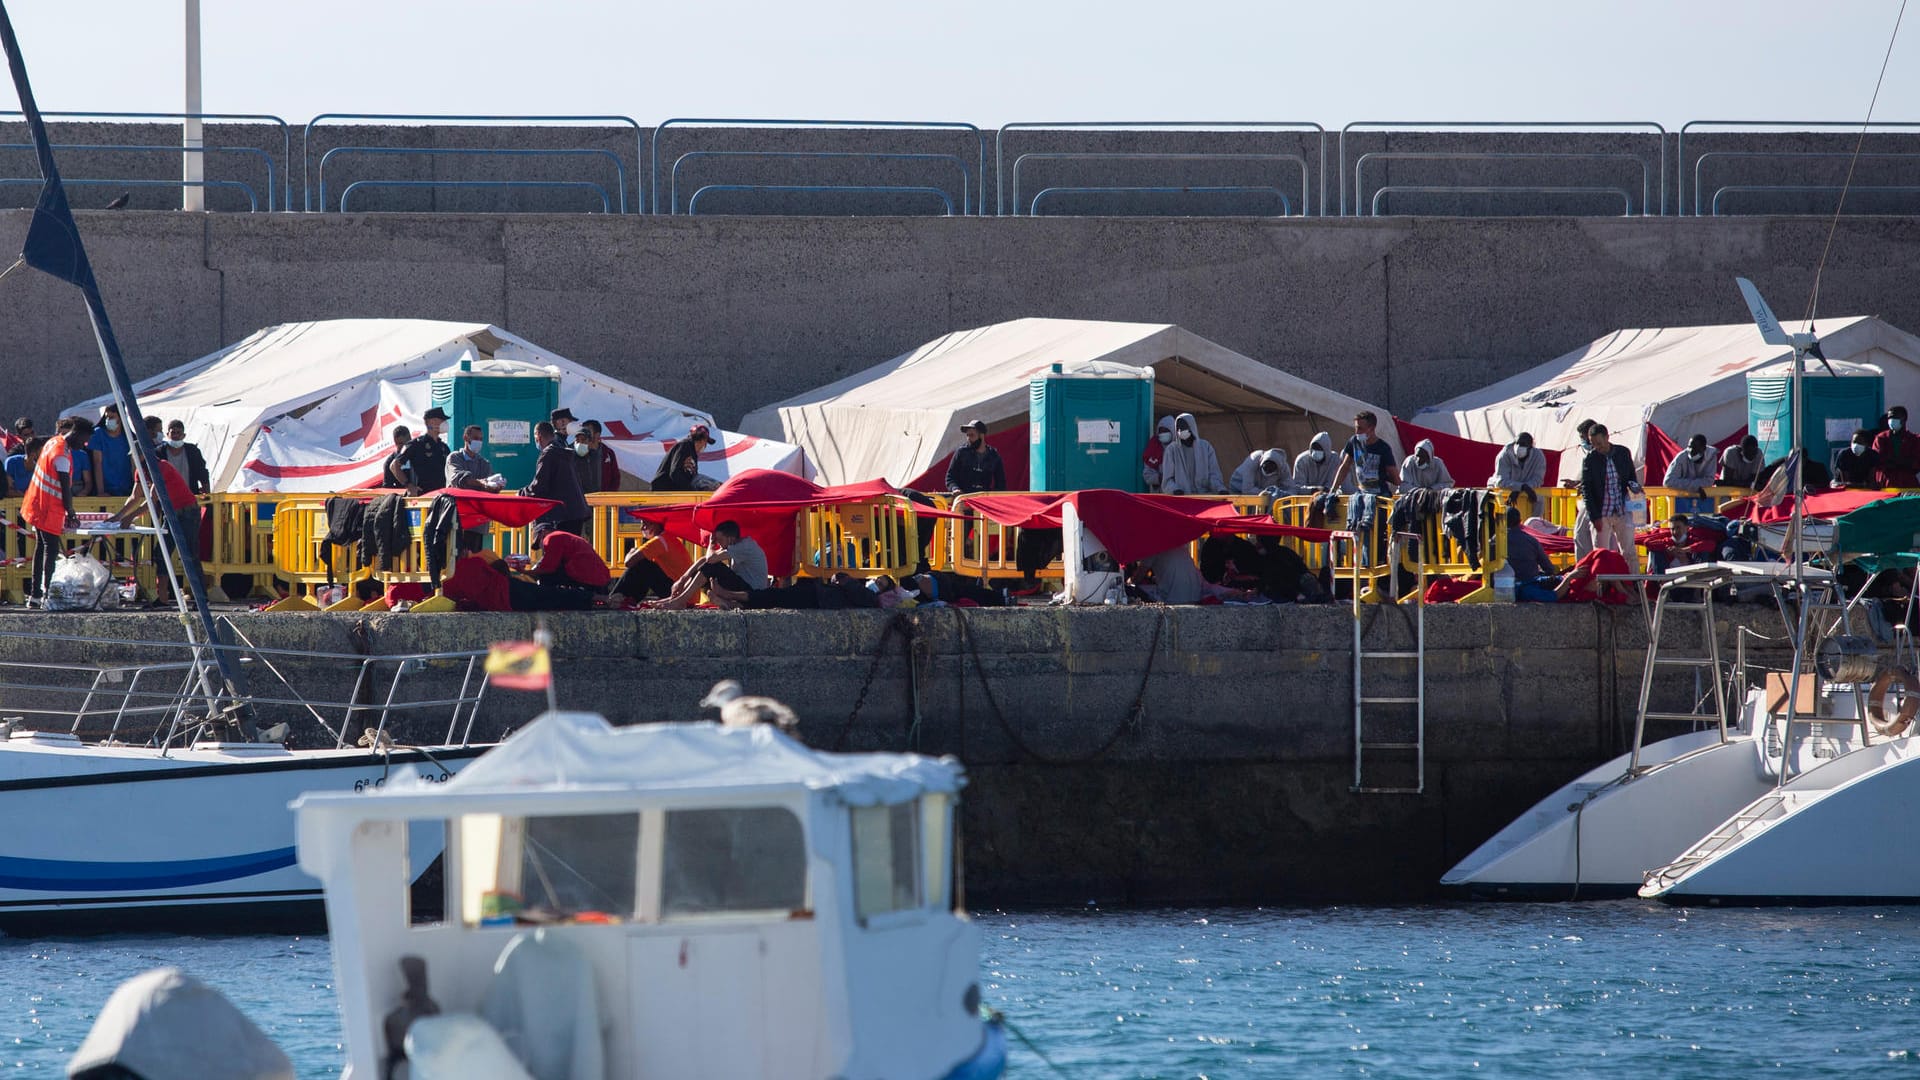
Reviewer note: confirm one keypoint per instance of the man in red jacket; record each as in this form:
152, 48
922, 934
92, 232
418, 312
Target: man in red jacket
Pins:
567, 561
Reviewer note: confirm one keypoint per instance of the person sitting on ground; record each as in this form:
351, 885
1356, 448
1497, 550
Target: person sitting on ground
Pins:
1899, 451
976, 466
567, 561
1315, 470
1518, 467
1680, 545
1424, 471
652, 567
1264, 472
1582, 584
1533, 574
680, 469
1692, 469
394, 471
1176, 580
841, 590
1858, 466
735, 567
480, 582
944, 587
1740, 465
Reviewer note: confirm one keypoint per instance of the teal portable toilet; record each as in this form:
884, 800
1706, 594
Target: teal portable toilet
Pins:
506, 398
1834, 407
1087, 425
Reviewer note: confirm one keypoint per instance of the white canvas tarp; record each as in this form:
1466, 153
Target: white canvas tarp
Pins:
309, 407
896, 419
1684, 379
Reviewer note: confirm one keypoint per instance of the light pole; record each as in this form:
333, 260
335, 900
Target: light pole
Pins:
193, 163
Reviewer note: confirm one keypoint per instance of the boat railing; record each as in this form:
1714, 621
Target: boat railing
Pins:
179, 698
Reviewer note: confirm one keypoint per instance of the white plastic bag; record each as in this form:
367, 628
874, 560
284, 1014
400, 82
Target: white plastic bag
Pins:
81, 583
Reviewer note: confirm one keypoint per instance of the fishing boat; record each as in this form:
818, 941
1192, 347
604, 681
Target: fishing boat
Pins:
138, 806
686, 900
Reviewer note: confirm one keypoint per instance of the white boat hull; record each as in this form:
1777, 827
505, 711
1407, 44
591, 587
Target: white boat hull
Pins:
109, 838
1821, 838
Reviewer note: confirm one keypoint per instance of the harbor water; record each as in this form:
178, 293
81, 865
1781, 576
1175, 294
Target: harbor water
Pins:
1621, 988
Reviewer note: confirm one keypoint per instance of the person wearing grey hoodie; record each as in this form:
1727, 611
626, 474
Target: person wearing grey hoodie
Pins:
1519, 467
1316, 466
1692, 469
1423, 470
1264, 470
1190, 467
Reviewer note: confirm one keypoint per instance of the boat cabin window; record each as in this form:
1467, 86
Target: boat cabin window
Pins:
747, 859
580, 867
886, 865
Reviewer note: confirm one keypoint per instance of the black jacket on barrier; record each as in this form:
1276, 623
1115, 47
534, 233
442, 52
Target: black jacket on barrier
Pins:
387, 532
346, 518
443, 522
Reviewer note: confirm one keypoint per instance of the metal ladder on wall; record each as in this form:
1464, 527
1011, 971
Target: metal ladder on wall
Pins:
1363, 742
1675, 594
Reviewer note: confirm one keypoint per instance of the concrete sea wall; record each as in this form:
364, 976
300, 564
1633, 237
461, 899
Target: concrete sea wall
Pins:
1129, 754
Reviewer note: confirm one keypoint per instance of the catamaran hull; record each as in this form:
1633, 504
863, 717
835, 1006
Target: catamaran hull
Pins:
1598, 836
1822, 843
112, 839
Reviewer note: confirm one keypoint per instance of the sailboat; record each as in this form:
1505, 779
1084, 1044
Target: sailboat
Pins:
147, 792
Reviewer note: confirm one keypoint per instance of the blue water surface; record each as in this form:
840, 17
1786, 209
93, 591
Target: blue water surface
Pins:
1569, 990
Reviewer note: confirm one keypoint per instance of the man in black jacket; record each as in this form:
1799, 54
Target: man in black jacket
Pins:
553, 478
1606, 482
976, 466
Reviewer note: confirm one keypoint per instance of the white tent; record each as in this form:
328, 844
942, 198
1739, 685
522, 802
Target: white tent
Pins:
309, 406
896, 419
1684, 379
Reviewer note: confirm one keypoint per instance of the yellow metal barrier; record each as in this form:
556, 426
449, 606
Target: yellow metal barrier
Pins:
241, 528
863, 538
129, 556
986, 549
615, 521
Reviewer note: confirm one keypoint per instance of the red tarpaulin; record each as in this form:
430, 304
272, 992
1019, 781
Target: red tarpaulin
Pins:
477, 507
1469, 460
1661, 450
1130, 526
1551, 543
1012, 444
1820, 504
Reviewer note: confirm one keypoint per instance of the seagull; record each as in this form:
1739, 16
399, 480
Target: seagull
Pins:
120, 201
376, 740
738, 710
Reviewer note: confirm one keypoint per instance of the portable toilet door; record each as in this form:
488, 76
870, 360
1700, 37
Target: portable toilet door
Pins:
506, 398
1087, 424
1835, 407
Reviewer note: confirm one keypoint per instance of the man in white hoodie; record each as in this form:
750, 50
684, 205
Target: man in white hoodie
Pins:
1314, 470
1190, 467
1692, 469
1423, 470
1519, 466
1264, 470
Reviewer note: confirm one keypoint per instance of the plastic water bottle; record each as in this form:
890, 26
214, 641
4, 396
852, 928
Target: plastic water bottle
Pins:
1503, 583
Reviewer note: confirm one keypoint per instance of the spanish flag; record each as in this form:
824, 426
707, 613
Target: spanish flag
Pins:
519, 665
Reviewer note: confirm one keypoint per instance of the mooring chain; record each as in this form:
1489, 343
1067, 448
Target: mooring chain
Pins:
901, 624
1130, 721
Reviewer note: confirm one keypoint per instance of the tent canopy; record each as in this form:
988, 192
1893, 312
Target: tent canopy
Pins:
894, 420
1685, 380
310, 406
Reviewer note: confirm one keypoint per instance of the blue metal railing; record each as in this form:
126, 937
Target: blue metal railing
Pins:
1390, 127
606, 205
1117, 127
959, 128
306, 149
253, 198
1153, 157
1286, 206
286, 134
1360, 188
1700, 162
1626, 200
619, 171
693, 204
673, 181
1784, 126
1810, 189
201, 150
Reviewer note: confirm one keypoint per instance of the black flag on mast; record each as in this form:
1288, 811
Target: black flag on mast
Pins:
53, 247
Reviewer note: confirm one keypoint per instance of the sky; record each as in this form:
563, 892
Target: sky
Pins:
988, 62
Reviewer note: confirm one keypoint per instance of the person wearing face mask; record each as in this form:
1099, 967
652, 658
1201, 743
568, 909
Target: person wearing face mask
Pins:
1740, 465
1190, 466
1317, 466
1692, 469
1582, 524
1606, 482
1858, 466
111, 453
185, 457
680, 469
1518, 467
1263, 471
1154, 457
1899, 451
975, 466
588, 457
1423, 470
553, 478
1369, 458
472, 471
